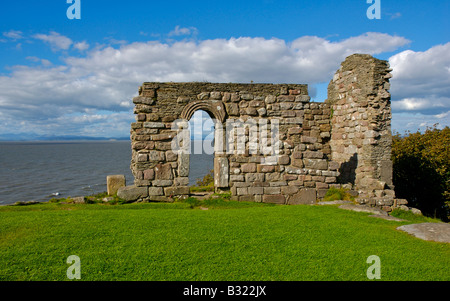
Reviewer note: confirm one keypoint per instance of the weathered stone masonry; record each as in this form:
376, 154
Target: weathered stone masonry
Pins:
344, 141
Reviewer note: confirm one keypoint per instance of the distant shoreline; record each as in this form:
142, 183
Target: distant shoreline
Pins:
80, 140
60, 141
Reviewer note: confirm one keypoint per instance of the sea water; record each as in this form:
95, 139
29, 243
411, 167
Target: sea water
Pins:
39, 171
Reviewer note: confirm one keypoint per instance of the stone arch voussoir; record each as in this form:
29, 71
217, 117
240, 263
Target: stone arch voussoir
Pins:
215, 109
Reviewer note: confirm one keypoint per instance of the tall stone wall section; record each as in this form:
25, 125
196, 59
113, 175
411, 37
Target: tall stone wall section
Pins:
345, 140
361, 128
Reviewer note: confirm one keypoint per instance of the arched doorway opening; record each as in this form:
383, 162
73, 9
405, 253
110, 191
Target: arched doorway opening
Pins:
212, 116
201, 162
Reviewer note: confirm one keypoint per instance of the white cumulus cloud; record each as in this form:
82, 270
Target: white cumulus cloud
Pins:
13, 34
106, 78
421, 80
56, 40
183, 31
81, 46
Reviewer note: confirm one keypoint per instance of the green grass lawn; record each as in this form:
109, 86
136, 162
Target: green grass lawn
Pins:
230, 242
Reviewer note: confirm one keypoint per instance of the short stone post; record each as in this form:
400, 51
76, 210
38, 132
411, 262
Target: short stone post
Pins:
114, 182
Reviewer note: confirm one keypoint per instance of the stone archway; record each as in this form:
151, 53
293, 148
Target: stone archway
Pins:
214, 108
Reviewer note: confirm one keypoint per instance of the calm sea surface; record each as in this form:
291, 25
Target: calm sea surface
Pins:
38, 171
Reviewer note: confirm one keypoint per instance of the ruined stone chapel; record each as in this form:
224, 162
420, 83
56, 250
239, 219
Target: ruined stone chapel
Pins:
291, 150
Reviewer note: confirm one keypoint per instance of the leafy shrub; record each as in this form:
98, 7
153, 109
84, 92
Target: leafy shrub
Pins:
207, 180
334, 194
421, 170
205, 184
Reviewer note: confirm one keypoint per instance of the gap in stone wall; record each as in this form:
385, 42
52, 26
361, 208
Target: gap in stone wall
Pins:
202, 146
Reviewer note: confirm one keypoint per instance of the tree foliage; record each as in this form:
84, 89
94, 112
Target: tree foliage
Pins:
421, 170
207, 179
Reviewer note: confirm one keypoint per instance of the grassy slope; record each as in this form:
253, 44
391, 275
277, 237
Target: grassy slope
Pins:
246, 242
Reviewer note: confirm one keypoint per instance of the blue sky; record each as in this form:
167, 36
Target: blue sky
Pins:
77, 77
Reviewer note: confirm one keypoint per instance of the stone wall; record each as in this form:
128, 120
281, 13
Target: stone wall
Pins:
345, 140
361, 127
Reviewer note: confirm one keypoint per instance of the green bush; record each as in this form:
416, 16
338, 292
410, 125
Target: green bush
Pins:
334, 194
421, 170
207, 180
205, 184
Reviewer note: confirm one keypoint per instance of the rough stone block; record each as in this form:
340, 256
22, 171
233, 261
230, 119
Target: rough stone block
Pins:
289, 177
145, 100
235, 97
386, 172
321, 193
247, 198
154, 155
221, 172
164, 136
255, 190
163, 171
149, 174
262, 111
246, 96
248, 167
132, 193
294, 120
294, 170
302, 98
78, 200
332, 165
283, 160
287, 98
157, 198
178, 190
114, 182
203, 96
295, 130
251, 111
306, 139
236, 178
183, 165
289, 189
171, 156
319, 164
241, 191
313, 154
162, 182
216, 95
270, 99
163, 146
320, 185
275, 199
155, 191
297, 155
254, 177
277, 183
297, 163
265, 168
142, 158
181, 181
272, 190
304, 196
154, 125
232, 109
330, 180
141, 117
